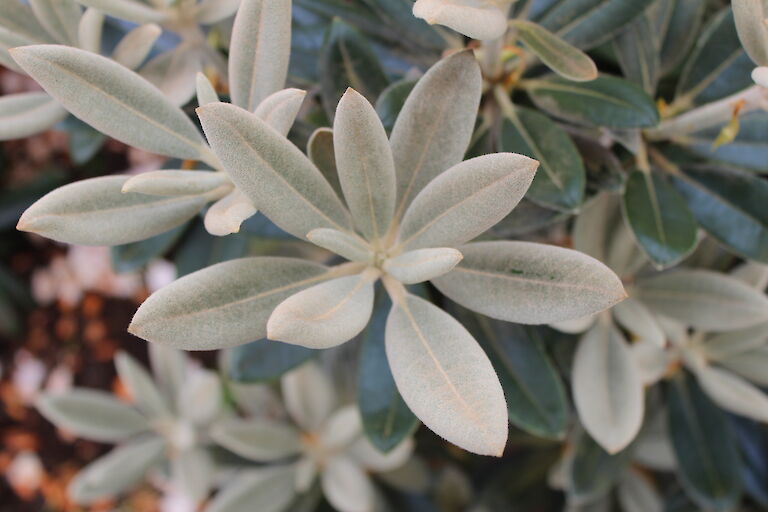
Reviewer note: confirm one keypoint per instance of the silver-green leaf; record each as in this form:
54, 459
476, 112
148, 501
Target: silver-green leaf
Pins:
96, 212
445, 377
466, 200
112, 99
225, 305
272, 172
260, 50
93, 415
530, 283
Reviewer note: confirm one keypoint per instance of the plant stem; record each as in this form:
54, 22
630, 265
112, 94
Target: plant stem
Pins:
711, 114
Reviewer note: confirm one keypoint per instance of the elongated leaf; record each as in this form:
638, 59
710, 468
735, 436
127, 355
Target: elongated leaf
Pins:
607, 388
445, 377
729, 343
96, 212
342, 243
594, 471
435, 126
605, 101
365, 165
704, 446
224, 305
754, 442
197, 250
399, 19
391, 101
257, 439
325, 315
682, 27
320, 151
141, 386
593, 225
750, 364
29, 113
212, 11
637, 50
118, 471
264, 360
309, 396
662, 223
348, 60
90, 28
265, 490
94, 415
535, 396
272, 172
637, 494
279, 110
749, 149
750, 16
484, 20
59, 17
134, 48
730, 206
128, 10
422, 264
112, 99
174, 72
560, 180
530, 283
346, 485
733, 393
587, 23
175, 182
560, 56
227, 214
19, 27
466, 200
632, 315
386, 418
205, 92
703, 299
718, 66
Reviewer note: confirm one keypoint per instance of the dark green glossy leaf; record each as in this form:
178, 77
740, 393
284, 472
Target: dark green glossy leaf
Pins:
753, 440
398, 15
560, 179
527, 217
264, 360
348, 60
199, 249
730, 206
637, 51
593, 470
535, 395
749, 149
679, 28
662, 223
718, 66
134, 256
704, 445
588, 23
606, 101
387, 420
391, 101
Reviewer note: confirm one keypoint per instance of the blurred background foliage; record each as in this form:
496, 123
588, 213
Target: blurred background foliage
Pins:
63, 311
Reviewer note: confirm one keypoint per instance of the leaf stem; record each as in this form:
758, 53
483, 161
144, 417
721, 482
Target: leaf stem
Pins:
711, 114
395, 289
